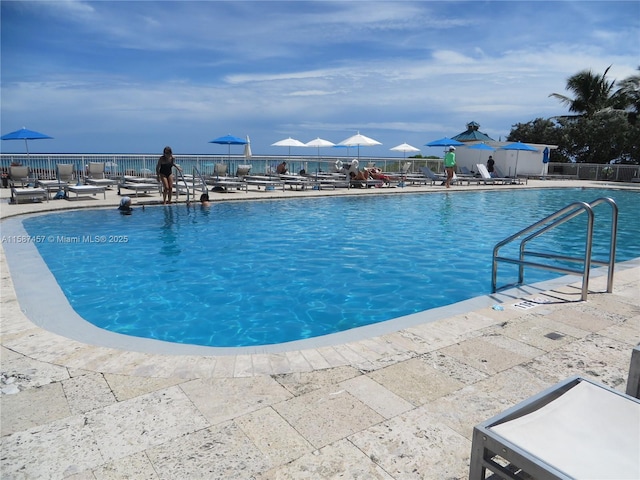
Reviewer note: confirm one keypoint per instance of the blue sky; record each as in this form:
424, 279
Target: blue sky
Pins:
132, 77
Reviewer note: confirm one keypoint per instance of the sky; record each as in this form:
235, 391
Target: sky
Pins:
134, 76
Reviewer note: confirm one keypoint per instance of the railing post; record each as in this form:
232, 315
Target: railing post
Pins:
587, 256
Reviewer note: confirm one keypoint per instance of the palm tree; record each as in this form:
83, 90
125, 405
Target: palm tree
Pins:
593, 93
628, 96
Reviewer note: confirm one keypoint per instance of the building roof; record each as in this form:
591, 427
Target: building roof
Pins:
473, 133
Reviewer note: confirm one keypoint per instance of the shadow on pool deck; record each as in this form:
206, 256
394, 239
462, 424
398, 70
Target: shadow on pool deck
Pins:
396, 405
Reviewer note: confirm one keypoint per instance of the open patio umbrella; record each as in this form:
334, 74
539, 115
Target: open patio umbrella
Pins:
288, 142
481, 147
25, 134
319, 142
404, 148
518, 146
444, 142
229, 140
359, 139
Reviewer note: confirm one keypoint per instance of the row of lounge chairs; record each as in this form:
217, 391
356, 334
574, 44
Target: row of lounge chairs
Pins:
468, 178
96, 181
65, 182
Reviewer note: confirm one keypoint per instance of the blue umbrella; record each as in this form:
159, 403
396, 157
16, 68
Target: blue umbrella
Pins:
481, 146
517, 146
545, 160
545, 155
25, 134
229, 140
444, 142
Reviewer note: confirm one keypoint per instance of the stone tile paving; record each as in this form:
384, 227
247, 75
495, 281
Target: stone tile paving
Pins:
397, 406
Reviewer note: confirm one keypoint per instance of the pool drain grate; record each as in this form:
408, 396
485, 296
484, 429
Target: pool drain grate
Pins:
529, 304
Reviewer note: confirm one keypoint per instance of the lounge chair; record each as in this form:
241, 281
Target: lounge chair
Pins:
97, 176
575, 429
242, 171
633, 381
487, 178
64, 178
140, 184
19, 175
269, 183
220, 170
435, 177
85, 189
19, 181
465, 172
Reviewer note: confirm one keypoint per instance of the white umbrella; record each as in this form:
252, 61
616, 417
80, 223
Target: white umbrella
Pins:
319, 142
359, 139
247, 149
405, 147
288, 142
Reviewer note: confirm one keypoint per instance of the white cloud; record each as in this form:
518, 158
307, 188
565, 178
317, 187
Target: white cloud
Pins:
404, 70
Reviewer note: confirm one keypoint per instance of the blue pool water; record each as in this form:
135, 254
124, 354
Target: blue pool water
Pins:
267, 272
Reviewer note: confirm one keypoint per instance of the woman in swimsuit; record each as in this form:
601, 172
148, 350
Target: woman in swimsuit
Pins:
164, 171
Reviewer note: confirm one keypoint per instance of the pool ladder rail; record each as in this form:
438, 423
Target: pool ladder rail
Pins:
197, 183
546, 224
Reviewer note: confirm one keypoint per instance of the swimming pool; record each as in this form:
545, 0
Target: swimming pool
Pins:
267, 272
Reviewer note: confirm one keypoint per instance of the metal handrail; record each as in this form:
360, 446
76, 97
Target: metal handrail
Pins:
197, 174
546, 224
181, 175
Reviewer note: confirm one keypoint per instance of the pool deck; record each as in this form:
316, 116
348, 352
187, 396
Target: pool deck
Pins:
396, 405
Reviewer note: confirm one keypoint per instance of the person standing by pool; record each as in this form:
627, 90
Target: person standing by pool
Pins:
450, 164
164, 171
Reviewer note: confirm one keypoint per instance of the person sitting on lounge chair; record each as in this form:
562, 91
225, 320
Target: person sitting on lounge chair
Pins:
282, 168
359, 179
376, 173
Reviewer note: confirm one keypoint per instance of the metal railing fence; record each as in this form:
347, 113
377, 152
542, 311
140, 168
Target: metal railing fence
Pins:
43, 166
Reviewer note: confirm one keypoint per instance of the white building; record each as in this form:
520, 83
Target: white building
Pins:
509, 163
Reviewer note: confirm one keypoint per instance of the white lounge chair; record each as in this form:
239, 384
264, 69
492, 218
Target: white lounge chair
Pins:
96, 175
487, 178
64, 178
140, 184
220, 170
575, 429
633, 382
242, 171
19, 175
85, 189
